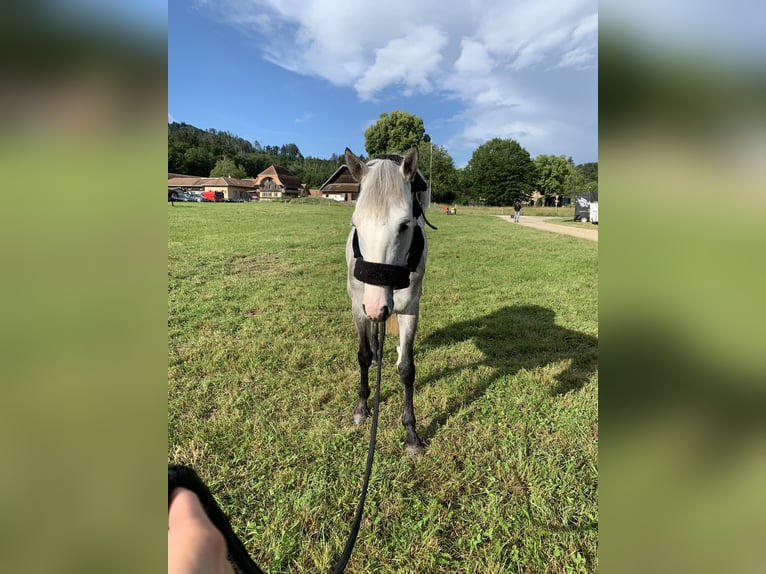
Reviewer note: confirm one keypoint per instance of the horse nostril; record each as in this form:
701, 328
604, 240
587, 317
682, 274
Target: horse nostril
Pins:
384, 313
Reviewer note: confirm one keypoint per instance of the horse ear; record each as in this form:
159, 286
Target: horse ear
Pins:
355, 165
410, 164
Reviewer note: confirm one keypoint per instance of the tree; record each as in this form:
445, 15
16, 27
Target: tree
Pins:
393, 133
575, 183
553, 174
589, 171
197, 161
501, 172
227, 168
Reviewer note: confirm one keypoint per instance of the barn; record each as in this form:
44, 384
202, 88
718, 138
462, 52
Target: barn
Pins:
341, 185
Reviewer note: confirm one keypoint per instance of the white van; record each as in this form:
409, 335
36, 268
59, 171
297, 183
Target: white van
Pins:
594, 212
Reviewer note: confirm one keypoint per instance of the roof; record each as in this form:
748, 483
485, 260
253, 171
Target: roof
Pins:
343, 182
191, 181
186, 181
340, 182
283, 176
230, 182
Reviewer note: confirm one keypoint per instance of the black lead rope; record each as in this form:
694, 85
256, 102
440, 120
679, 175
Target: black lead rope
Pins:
370, 452
186, 477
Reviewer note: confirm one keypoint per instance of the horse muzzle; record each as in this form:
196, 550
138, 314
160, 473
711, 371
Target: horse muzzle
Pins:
381, 315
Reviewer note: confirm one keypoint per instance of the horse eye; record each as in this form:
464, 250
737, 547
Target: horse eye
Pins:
403, 227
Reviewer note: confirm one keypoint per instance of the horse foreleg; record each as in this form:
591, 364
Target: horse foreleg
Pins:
364, 356
406, 365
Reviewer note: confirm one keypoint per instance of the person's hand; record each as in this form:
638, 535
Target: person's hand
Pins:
195, 545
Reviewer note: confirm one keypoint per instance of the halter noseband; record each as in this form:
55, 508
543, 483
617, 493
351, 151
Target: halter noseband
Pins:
394, 276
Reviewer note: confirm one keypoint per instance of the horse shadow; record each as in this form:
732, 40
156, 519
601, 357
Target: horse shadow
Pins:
512, 339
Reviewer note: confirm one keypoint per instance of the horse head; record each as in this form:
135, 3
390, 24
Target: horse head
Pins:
385, 228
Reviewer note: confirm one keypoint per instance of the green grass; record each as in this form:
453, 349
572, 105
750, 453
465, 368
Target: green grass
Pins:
263, 379
508, 210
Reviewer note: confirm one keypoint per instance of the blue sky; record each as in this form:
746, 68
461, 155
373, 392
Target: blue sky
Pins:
317, 73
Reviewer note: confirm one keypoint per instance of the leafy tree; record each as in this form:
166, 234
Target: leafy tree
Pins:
589, 171
198, 161
576, 183
500, 172
393, 133
553, 173
290, 152
227, 168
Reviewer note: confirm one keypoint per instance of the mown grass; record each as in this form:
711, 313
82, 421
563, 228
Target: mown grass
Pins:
263, 378
508, 210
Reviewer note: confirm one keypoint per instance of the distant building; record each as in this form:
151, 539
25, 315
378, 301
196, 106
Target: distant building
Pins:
276, 182
340, 186
231, 187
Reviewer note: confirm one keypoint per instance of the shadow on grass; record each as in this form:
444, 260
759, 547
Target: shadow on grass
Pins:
511, 339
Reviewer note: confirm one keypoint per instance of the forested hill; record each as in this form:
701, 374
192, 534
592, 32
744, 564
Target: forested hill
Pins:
193, 151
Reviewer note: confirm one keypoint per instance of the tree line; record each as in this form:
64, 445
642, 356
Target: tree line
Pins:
213, 153
500, 171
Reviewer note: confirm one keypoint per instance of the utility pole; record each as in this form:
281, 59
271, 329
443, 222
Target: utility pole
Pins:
427, 138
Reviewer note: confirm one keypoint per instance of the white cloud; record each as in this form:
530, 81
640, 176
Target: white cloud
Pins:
497, 58
474, 59
407, 61
171, 119
582, 46
304, 118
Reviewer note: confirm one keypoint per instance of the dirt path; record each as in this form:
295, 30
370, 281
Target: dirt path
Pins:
541, 223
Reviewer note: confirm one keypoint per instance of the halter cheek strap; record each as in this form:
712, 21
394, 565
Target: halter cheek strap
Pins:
394, 276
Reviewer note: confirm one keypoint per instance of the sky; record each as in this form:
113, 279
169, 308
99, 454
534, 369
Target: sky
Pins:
318, 73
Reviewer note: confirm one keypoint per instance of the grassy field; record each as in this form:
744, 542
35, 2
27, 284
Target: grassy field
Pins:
563, 212
262, 380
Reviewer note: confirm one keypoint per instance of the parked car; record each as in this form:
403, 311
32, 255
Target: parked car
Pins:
181, 196
213, 195
594, 212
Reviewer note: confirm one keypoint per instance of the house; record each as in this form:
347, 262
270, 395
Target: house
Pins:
231, 187
340, 186
276, 182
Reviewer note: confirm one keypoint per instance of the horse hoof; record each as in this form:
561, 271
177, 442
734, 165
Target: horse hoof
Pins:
414, 449
359, 418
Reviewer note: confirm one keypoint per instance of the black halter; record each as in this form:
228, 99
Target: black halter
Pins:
394, 276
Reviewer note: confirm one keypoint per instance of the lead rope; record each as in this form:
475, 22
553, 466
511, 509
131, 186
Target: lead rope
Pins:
378, 329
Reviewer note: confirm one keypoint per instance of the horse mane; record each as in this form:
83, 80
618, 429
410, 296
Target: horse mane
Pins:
383, 189
418, 185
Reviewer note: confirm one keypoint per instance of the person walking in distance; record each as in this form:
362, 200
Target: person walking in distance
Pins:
516, 211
